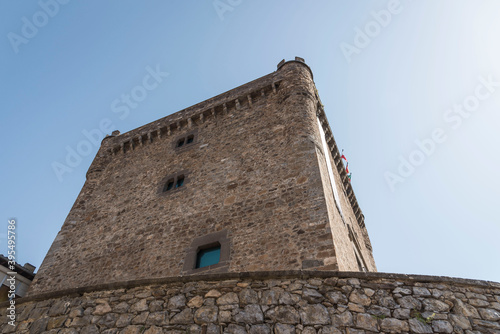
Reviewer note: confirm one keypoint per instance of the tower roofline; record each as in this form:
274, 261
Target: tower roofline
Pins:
239, 93
207, 107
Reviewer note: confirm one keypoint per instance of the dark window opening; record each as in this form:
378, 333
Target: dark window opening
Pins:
187, 140
174, 182
208, 256
180, 181
169, 185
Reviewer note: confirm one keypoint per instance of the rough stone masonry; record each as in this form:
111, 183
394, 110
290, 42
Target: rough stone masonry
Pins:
268, 302
250, 170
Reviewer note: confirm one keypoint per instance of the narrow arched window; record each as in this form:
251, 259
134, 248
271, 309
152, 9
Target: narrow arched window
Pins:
169, 185
180, 181
173, 182
185, 141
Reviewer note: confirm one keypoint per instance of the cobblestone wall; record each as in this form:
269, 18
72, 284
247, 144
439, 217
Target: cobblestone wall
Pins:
267, 302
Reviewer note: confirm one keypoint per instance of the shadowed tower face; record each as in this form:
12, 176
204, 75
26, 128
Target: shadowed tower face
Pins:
249, 180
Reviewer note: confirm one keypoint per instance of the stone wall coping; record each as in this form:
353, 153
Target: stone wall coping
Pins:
298, 274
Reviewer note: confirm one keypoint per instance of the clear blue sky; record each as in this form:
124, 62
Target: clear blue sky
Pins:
388, 74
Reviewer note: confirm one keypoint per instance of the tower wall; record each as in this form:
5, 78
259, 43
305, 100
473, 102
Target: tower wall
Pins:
254, 182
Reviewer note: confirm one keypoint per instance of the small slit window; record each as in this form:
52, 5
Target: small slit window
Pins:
180, 181
184, 142
208, 256
169, 185
173, 183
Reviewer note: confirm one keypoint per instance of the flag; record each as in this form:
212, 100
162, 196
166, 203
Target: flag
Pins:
347, 165
343, 156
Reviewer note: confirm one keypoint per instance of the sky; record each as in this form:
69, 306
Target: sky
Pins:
411, 90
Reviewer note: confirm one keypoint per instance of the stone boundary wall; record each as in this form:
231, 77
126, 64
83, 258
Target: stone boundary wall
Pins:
306, 302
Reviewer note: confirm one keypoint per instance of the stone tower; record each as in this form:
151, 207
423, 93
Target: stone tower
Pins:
233, 216
249, 180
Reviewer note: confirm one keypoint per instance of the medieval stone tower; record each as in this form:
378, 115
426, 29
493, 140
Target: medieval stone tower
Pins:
233, 216
251, 177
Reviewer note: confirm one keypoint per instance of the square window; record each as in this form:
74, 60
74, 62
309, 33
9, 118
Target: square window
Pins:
180, 142
207, 253
208, 256
190, 139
